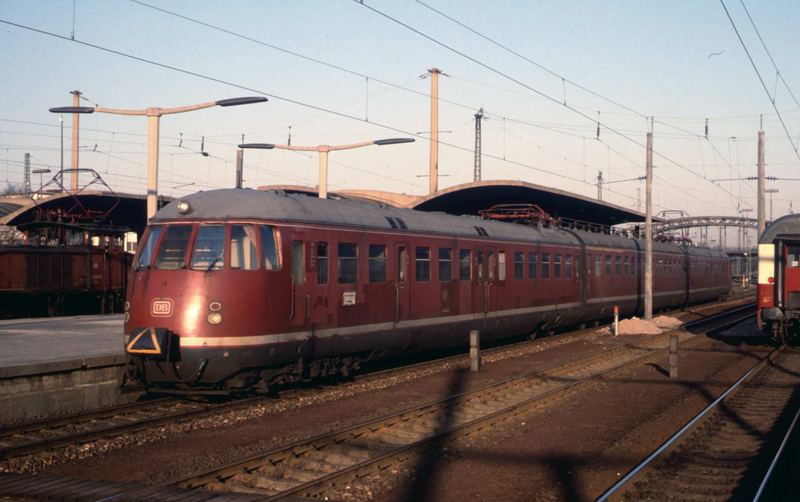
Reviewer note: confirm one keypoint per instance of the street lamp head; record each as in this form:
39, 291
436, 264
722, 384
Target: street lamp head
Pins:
262, 146
392, 141
72, 109
40, 171
241, 101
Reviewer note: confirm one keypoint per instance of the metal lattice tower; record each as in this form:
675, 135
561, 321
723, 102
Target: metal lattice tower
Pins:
476, 175
600, 185
27, 178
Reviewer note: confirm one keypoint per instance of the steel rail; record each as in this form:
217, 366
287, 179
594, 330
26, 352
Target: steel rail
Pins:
776, 458
682, 433
299, 448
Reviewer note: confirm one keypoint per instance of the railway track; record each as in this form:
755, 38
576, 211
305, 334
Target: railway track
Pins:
81, 428
319, 466
49, 434
75, 429
729, 450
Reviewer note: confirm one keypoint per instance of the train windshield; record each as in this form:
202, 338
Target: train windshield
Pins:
148, 246
166, 247
209, 248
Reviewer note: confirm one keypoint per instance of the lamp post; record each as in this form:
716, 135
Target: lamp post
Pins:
153, 115
323, 154
240, 158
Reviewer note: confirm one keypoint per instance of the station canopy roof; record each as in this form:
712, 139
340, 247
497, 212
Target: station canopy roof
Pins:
470, 198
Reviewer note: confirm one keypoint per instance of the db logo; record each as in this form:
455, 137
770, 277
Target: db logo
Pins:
162, 307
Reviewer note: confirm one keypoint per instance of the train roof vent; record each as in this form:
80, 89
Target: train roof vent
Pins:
401, 223
482, 231
391, 221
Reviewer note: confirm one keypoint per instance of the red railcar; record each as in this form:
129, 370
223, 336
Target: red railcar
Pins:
779, 277
238, 288
60, 279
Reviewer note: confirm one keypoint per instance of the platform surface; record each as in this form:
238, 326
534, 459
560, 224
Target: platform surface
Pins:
29, 346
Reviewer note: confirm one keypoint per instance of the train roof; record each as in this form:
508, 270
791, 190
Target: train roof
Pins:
277, 205
785, 226
299, 208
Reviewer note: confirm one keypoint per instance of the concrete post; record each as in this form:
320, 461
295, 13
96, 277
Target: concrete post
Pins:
762, 217
673, 356
239, 167
648, 243
433, 182
474, 350
153, 123
616, 320
76, 121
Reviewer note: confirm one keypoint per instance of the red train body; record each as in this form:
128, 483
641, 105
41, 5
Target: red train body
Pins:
779, 277
233, 289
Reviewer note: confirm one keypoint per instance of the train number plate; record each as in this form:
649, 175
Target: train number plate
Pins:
162, 307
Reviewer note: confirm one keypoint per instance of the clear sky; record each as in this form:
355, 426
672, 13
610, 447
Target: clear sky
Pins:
679, 61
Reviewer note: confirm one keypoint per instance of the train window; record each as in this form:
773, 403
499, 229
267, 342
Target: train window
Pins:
445, 264
348, 263
423, 264
618, 265
243, 247
793, 256
608, 265
322, 263
402, 263
172, 251
209, 248
491, 264
545, 265
377, 263
479, 263
501, 266
464, 264
298, 262
519, 265
627, 265
557, 265
568, 266
148, 245
598, 265
532, 265
269, 250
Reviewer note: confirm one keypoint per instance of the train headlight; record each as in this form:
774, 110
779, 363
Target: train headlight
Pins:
183, 207
214, 318
127, 306
215, 306
126, 317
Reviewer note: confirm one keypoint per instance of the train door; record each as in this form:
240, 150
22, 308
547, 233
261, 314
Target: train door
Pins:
495, 276
299, 313
483, 294
479, 303
401, 288
791, 277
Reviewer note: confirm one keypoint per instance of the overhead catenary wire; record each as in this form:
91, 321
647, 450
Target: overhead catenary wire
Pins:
760, 79
285, 99
531, 88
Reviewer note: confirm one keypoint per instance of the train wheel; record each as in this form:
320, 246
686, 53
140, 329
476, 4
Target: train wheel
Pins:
779, 332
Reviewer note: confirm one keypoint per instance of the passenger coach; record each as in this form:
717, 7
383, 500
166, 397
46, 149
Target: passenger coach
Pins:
233, 289
779, 277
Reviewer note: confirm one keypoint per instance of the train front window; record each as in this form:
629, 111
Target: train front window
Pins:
269, 248
148, 246
209, 248
172, 251
244, 255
